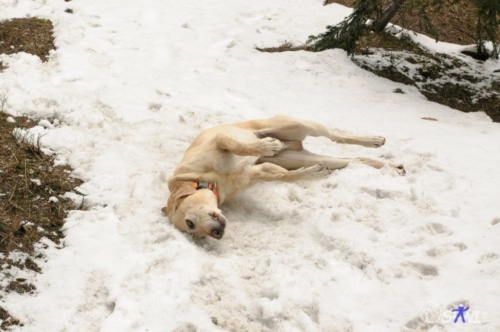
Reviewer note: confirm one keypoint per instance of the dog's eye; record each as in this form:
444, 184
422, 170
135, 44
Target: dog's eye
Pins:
190, 224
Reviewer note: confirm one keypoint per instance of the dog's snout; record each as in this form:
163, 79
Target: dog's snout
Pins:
217, 232
217, 229
219, 218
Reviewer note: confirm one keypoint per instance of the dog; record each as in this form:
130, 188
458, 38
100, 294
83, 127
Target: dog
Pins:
223, 160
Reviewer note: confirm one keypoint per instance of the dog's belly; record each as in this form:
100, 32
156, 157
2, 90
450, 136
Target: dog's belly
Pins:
227, 163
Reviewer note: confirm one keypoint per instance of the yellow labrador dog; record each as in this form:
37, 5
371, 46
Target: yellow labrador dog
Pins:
226, 159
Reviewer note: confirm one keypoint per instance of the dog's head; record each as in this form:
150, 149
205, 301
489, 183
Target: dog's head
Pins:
195, 211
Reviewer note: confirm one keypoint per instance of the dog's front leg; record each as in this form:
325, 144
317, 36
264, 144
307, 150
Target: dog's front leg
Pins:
266, 146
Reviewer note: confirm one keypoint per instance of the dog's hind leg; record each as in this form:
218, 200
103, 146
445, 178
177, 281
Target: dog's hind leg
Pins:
291, 160
272, 172
286, 128
345, 138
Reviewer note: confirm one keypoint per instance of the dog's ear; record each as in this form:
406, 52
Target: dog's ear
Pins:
180, 190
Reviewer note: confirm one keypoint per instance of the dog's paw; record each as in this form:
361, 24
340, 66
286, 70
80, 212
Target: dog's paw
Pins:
374, 141
271, 146
316, 172
399, 169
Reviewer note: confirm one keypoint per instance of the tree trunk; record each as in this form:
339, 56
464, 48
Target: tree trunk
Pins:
387, 15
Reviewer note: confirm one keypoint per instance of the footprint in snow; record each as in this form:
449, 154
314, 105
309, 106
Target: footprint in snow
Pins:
446, 249
154, 107
422, 270
425, 269
435, 228
487, 258
188, 327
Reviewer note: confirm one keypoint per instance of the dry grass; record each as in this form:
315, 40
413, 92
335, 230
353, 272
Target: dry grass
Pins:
32, 202
30, 35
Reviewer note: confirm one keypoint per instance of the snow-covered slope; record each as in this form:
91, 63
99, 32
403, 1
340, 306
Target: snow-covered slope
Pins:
131, 83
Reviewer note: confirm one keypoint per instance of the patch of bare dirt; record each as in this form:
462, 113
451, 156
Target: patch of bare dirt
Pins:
453, 23
30, 35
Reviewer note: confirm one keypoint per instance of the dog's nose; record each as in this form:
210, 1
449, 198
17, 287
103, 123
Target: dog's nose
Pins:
217, 232
219, 218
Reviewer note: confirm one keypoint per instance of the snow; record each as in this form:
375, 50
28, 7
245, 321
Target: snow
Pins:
130, 84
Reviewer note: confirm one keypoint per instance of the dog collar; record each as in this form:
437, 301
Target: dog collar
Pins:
207, 185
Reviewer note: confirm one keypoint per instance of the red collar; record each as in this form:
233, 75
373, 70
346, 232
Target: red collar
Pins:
207, 185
